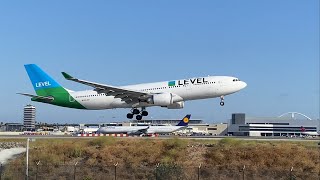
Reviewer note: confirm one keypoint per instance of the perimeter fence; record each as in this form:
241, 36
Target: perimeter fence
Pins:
158, 172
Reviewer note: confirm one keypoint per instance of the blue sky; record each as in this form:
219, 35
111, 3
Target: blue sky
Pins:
272, 45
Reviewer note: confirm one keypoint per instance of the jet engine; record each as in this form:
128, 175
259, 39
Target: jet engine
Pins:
176, 105
162, 99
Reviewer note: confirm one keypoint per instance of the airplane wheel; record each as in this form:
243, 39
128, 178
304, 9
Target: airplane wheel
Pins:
138, 117
135, 111
144, 113
129, 116
221, 103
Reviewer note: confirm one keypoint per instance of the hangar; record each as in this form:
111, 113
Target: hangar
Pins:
240, 125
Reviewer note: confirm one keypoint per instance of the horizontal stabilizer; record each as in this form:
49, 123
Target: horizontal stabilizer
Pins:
48, 98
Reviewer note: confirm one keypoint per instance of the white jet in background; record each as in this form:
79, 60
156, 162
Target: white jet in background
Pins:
145, 130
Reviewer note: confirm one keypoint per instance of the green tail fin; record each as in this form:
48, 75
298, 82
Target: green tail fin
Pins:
47, 87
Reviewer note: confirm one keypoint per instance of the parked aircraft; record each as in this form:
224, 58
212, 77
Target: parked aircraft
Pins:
142, 130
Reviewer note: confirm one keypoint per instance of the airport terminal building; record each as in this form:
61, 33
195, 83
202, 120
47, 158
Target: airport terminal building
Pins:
240, 125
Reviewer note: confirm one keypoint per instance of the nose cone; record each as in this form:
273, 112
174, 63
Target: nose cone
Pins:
243, 85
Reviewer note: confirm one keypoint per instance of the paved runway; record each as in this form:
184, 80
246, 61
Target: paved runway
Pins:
171, 137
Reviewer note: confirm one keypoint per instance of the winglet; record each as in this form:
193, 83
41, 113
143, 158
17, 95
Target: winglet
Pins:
67, 76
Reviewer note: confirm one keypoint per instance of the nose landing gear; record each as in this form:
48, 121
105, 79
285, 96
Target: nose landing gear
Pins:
139, 114
221, 100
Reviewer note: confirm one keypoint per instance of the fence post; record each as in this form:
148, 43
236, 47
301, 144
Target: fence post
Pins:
27, 159
291, 175
64, 158
243, 169
37, 170
319, 158
75, 166
155, 171
1, 171
115, 171
199, 171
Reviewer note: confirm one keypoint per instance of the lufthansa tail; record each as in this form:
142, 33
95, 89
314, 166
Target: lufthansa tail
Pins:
185, 120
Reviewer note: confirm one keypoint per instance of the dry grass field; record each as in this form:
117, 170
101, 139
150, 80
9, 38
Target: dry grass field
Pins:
138, 159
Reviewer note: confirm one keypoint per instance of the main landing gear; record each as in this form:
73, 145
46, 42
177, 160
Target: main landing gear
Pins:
139, 114
221, 100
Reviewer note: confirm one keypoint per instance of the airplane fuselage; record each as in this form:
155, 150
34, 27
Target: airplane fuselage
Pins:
168, 94
182, 90
135, 129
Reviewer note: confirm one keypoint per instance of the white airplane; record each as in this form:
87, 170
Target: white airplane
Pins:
310, 133
168, 94
143, 130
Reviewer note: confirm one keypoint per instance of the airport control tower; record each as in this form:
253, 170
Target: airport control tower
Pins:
29, 117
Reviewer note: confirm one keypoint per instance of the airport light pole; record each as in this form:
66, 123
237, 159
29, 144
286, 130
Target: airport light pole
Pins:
27, 158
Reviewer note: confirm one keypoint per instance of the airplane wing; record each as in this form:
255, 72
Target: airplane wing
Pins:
127, 95
48, 98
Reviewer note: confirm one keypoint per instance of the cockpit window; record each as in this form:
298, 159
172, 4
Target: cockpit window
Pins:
235, 80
